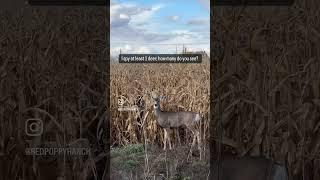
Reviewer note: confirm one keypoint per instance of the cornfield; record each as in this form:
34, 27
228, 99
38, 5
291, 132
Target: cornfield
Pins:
185, 85
53, 69
266, 84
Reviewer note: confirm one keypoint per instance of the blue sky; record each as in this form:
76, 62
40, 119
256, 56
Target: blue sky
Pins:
155, 26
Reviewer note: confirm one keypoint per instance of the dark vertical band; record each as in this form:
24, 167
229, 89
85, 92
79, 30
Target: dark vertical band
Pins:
252, 2
68, 2
107, 90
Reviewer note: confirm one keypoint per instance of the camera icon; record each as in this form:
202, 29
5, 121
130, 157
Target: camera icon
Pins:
121, 102
34, 127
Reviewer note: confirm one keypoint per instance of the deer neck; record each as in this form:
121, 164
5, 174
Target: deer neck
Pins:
157, 111
159, 118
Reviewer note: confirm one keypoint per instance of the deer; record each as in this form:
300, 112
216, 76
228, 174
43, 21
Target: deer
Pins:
248, 168
169, 120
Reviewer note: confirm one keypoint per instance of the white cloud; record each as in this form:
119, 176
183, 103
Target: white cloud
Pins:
128, 21
134, 13
174, 18
133, 30
145, 14
142, 50
119, 20
117, 49
199, 21
127, 49
118, 12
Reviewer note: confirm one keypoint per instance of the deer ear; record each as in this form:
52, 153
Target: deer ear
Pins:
163, 97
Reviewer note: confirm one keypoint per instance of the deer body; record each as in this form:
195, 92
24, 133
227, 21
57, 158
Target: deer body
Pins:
249, 168
177, 119
169, 120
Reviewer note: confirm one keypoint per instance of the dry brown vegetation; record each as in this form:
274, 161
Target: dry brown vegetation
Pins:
186, 87
266, 74
53, 68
